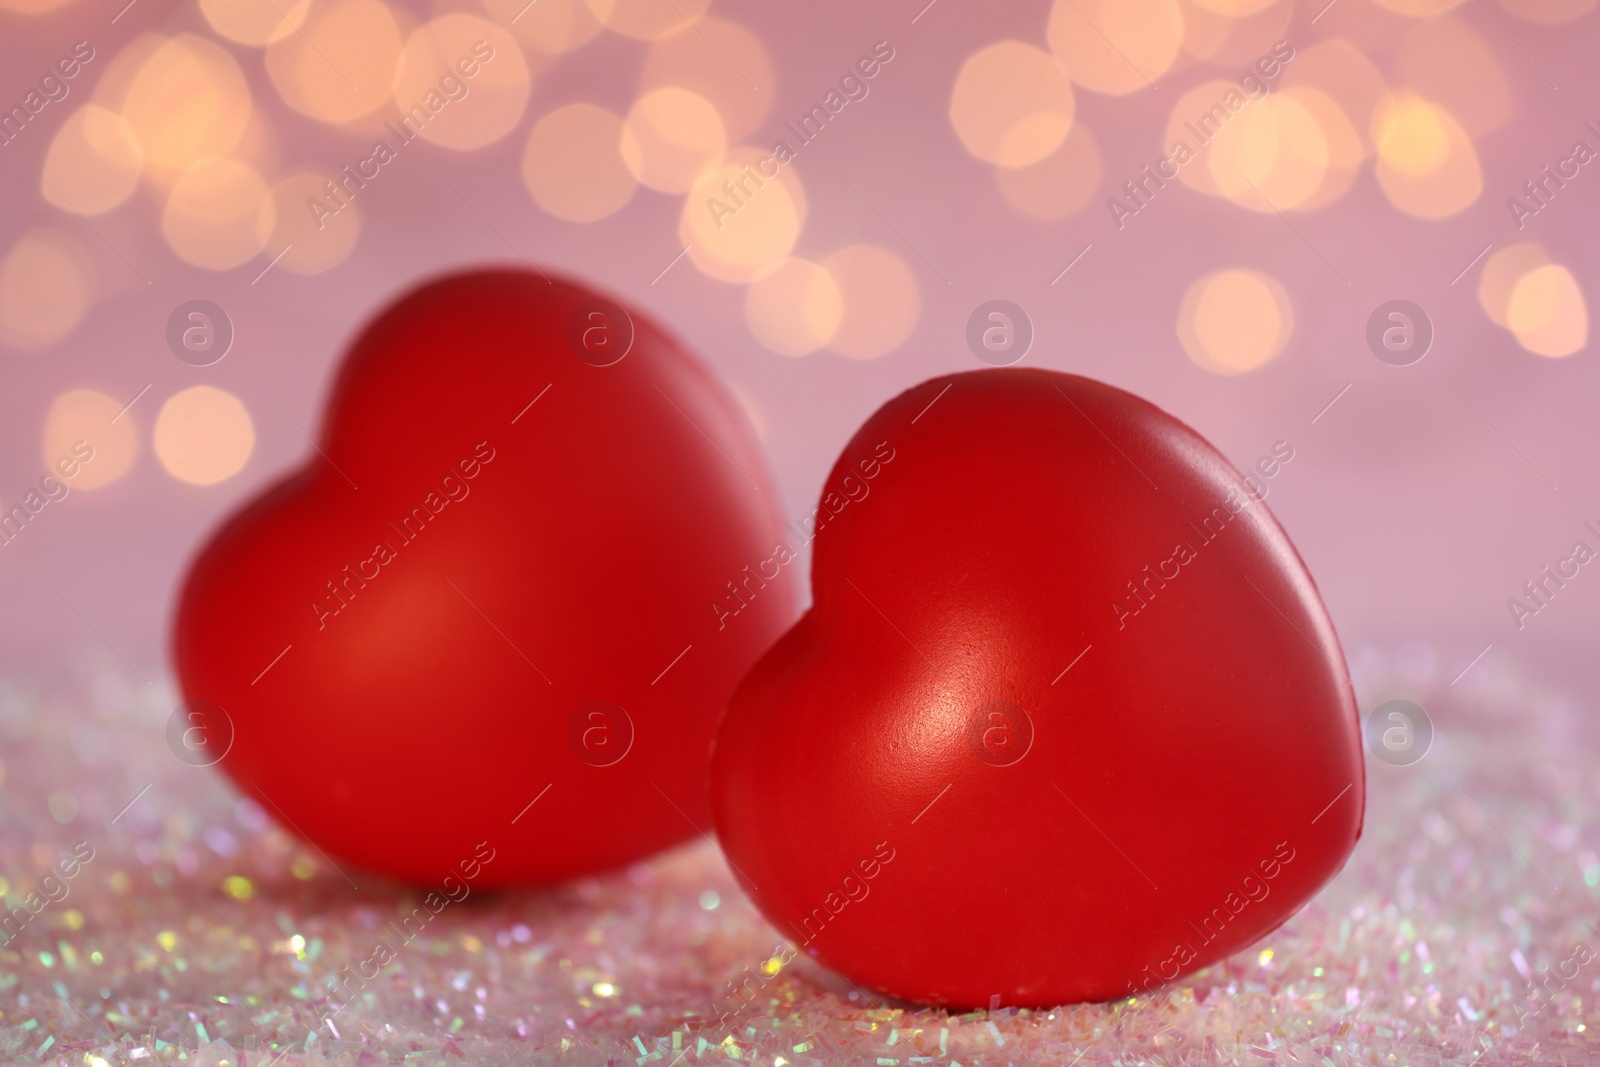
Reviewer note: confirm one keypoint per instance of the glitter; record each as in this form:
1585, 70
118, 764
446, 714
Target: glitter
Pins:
290, 944
1265, 959
238, 887
604, 989
710, 899
73, 918
47, 959
772, 965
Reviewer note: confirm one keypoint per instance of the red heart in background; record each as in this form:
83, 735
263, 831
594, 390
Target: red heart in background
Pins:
492, 587
1001, 758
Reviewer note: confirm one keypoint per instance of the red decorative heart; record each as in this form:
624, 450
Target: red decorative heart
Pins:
1066, 720
482, 612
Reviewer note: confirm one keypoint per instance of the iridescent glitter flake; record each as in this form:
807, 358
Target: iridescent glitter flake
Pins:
1462, 932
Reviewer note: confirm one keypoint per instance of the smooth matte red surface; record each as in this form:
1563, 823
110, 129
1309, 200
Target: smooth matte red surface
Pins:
583, 560
1200, 753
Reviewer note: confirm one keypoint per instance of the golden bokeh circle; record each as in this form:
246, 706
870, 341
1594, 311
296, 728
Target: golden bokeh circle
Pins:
46, 287
649, 20
1061, 183
1273, 156
1346, 149
313, 228
743, 215
1427, 165
462, 83
1343, 72
1234, 321
1501, 272
94, 162
1198, 117
573, 165
255, 22
549, 27
1012, 104
203, 435
879, 301
670, 136
188, 102
722, 62
1547, 313
1116, 46
341, 65
93, 430
218, 215
794, 310
1235, 42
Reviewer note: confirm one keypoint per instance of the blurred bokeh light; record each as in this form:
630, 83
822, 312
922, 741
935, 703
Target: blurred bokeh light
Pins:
203, 435
99, 421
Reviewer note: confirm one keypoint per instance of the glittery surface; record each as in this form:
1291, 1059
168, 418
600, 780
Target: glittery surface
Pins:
202, 932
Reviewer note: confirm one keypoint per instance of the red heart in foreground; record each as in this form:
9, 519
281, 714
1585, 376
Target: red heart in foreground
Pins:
1066, 720
477, 623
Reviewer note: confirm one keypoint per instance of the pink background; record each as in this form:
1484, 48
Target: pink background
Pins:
1416, 516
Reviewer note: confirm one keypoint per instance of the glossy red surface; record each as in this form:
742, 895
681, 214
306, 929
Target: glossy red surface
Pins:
1000, 760
495, 567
